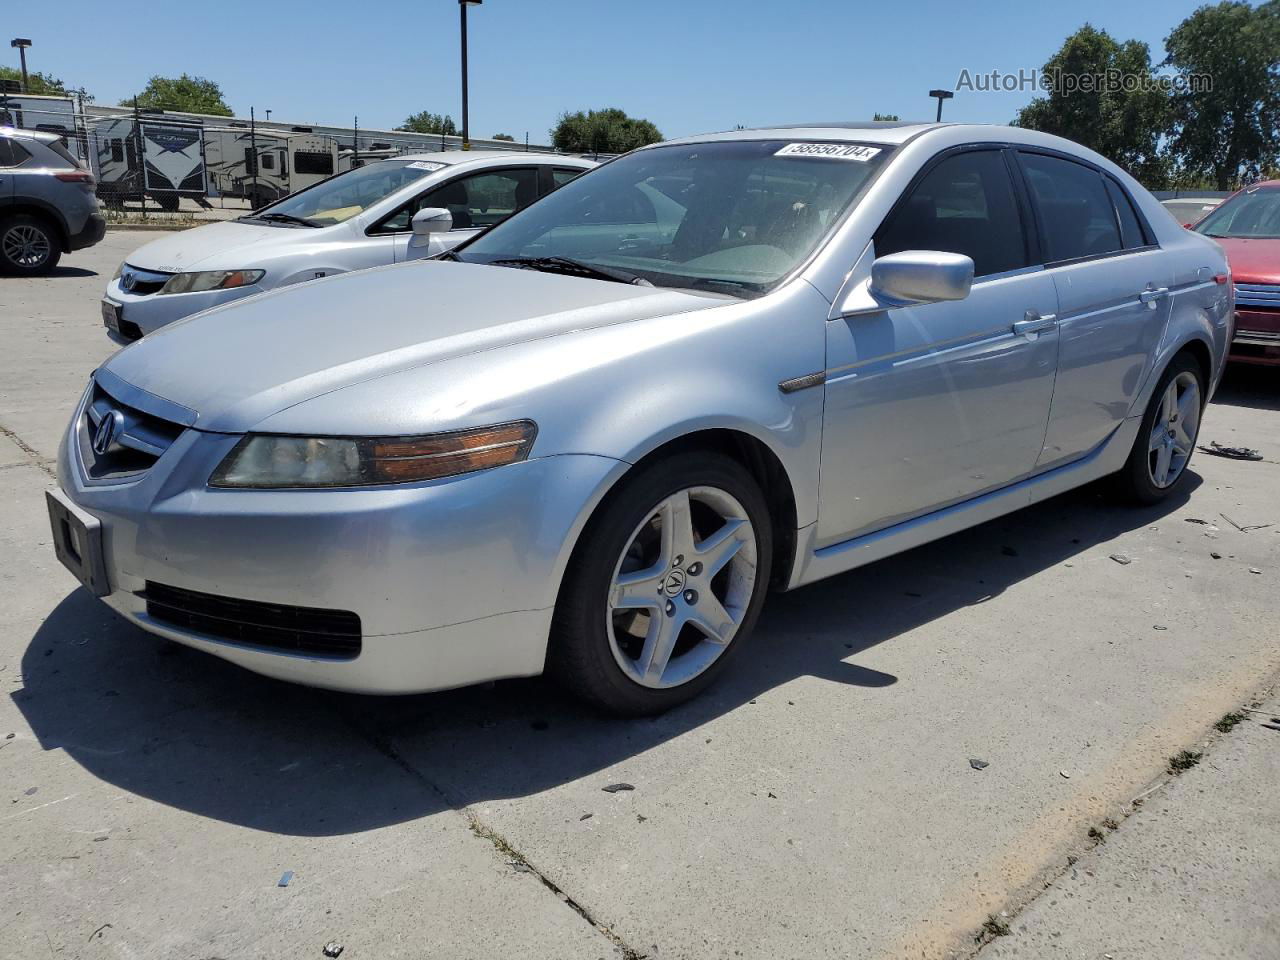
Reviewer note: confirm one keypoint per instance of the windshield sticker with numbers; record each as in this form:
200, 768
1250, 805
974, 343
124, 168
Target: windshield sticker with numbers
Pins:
828, 151
426, 165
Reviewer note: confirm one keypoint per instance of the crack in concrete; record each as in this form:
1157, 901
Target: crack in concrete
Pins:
41, 463
384, 746
1013, 911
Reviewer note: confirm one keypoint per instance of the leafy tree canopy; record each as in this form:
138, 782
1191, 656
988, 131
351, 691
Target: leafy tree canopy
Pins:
427, 122
504, 136
40, 83
885, 117
1122, 121
1230, 130
185, 93
602, 131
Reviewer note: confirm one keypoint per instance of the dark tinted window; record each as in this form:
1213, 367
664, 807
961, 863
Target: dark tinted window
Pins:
310, 161
61, 150
6, 152
117, 150
250, 162
1130, 228
965, 205
1076, 213
560, 176
268, 162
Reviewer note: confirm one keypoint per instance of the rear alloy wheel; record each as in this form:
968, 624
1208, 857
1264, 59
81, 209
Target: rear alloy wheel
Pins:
670, 575
1167, 436
28, 245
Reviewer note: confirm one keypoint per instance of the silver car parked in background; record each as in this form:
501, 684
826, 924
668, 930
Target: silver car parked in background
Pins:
591, 442
47, 202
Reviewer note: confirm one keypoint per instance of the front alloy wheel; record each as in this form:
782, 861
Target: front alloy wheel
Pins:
666, 581
681, 587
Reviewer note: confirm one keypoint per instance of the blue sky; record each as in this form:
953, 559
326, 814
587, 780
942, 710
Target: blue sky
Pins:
688, 65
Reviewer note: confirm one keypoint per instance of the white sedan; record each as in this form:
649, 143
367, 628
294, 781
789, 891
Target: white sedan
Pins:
363, 218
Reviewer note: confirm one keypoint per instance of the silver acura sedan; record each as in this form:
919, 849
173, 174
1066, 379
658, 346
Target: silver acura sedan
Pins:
589, 440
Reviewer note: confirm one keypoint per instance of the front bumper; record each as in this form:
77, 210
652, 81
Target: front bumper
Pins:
454, 581
1257, 337
152, 311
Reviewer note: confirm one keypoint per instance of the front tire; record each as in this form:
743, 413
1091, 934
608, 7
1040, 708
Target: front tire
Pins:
29, 246
1167, 438
665, 585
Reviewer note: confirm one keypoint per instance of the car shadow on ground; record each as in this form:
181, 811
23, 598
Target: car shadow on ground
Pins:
58, 273
189, 730
1250, 385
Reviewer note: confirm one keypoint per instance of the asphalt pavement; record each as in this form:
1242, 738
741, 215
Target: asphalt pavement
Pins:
819, 802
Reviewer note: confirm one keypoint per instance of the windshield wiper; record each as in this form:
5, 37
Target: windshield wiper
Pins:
573, 268
282, 218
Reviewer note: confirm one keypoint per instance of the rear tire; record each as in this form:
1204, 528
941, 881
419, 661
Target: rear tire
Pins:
665, 585
29, 245
1158, 461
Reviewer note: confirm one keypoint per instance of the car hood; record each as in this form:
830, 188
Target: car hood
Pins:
237, 364
193, 249
1252, 260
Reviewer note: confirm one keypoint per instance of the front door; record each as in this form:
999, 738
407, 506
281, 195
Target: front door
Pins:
931, 405
1112, 286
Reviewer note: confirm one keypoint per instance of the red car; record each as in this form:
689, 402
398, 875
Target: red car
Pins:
1247, 224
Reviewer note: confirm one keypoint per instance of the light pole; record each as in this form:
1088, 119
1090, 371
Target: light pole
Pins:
22, 43
268, 113
466, 131
941, 95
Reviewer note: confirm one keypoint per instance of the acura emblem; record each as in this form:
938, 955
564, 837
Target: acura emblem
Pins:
107, 430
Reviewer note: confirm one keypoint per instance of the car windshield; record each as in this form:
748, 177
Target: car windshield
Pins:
342, 197
734, 217
1250, 214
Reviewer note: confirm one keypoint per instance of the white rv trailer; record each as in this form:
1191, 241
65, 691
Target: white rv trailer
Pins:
264, 165
158, 157
38, 112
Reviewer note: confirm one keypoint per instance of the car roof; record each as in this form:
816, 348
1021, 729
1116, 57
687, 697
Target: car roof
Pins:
468, 156
44, 136
886, 132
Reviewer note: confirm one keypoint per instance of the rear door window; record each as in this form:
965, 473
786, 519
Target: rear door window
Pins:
1131, 232
1077, 216
12, 153
965, 204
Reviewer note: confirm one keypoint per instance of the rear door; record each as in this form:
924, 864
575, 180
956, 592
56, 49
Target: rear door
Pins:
1113, 286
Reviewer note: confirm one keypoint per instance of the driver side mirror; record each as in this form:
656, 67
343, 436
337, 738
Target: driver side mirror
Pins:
431, 220
911, 278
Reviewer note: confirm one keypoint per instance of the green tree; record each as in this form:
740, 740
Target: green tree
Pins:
602, 131
885, 118
504, 136
1229, 130
1105, 95
186, 93
427, 122
41, 83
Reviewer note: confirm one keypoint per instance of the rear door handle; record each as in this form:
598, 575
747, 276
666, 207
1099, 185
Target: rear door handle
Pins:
1152, 294
1035, 323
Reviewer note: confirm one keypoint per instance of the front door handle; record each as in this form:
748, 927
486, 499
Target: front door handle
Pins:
1035, 323
1152, 294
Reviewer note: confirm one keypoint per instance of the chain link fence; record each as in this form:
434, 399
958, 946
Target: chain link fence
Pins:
162, 165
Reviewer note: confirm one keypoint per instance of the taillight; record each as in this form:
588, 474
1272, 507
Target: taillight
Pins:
76, 176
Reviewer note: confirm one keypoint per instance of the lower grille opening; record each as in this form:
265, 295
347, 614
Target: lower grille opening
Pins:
272, 626
130, 330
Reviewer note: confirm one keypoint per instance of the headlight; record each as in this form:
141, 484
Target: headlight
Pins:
265, 461
211, 280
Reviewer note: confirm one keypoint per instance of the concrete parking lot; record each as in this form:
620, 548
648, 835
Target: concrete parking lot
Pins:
820, 802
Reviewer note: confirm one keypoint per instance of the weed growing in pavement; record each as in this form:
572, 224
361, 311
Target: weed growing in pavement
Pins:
1097, 836
1111, 823
992, 927
1183, 761
1228, 722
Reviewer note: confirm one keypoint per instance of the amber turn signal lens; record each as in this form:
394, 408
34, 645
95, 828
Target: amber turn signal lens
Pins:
447, 454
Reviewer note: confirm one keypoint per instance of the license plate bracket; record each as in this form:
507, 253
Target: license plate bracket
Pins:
112, 314
77, 541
